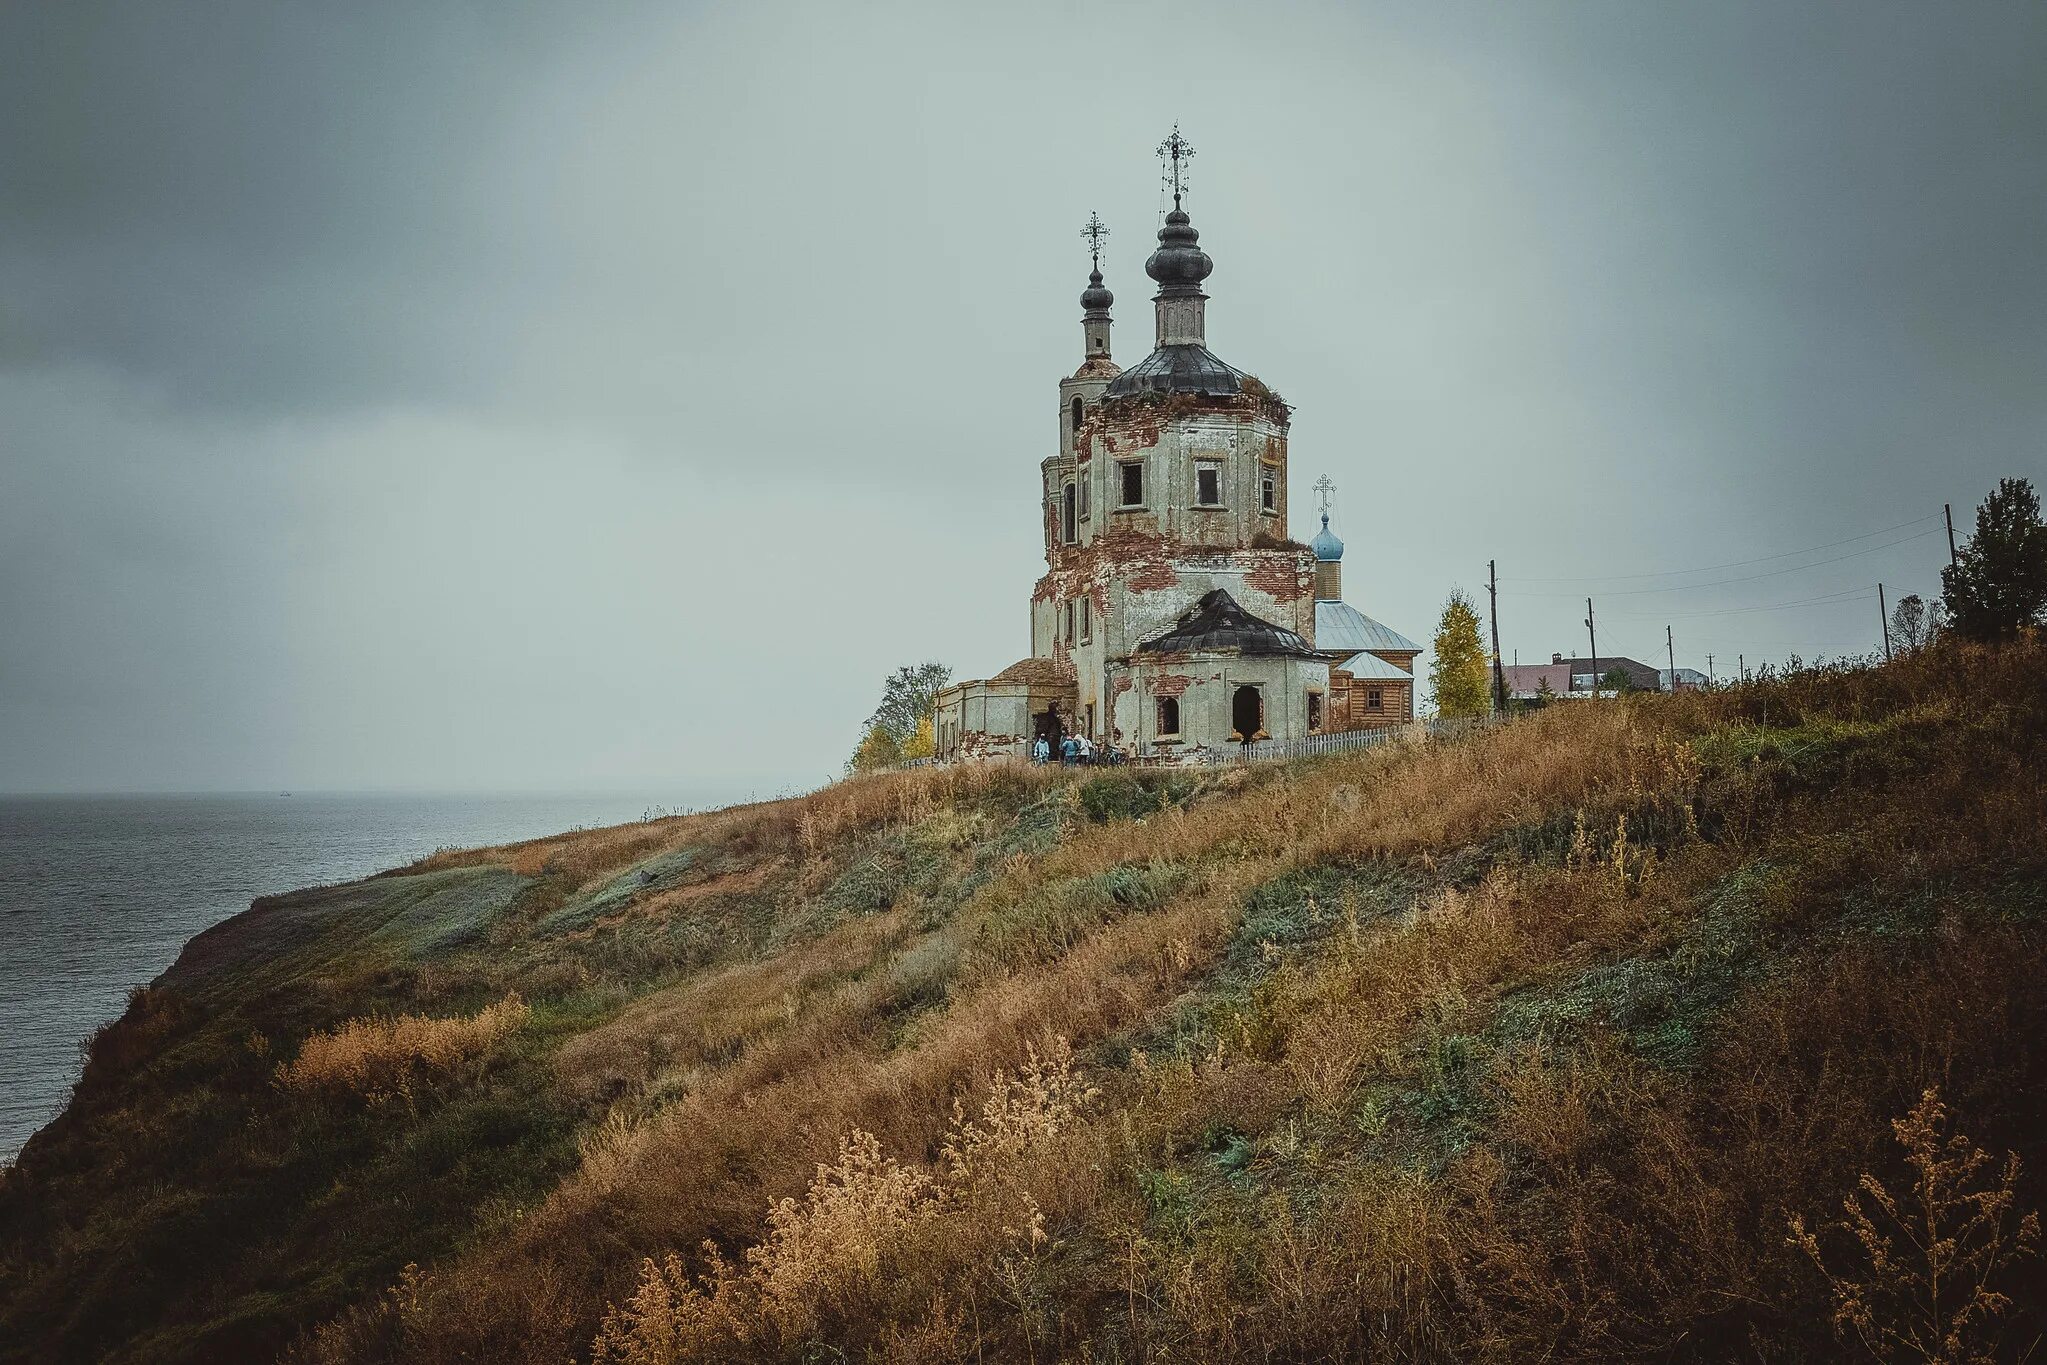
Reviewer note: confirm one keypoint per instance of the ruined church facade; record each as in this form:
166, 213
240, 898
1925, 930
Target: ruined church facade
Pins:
1176, 617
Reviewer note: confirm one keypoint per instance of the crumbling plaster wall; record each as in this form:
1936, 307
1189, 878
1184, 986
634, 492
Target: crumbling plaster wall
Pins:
983, 719
1138, 585
1170, 438
1139, 568
1205, 686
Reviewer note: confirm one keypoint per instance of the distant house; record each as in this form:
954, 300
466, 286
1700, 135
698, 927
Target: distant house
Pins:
1685, 680
1575, 677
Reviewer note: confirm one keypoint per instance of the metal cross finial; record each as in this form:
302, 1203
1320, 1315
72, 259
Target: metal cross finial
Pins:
1095, 231
1177, 151
1324, 486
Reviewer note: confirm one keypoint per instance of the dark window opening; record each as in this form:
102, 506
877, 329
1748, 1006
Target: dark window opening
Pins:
1066, 515
1247, 712
1169, 715
1314, 710
1076, 416
1069, 622
1133, 485
1208, 485
1269, 491
1374, 699
1087, 619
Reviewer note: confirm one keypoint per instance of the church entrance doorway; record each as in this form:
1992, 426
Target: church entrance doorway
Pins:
1247, 712
1050, 728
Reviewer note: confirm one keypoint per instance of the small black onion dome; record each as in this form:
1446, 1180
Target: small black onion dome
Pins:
1178, 265
1095, 298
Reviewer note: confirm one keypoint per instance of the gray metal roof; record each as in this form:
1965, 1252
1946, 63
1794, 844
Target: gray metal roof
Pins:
1216, 622
1371, 668
1179, 369
1340, 626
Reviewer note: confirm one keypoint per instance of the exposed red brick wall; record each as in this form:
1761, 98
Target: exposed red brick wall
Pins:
1286, 575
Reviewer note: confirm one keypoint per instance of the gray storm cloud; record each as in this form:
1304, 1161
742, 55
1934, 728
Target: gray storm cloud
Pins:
461, 395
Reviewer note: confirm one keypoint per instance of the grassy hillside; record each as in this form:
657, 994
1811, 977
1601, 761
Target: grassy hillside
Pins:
1528, 1044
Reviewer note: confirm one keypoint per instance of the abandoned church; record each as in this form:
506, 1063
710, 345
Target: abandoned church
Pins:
1177, 619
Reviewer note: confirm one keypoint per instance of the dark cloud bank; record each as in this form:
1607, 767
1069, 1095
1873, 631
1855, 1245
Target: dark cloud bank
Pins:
477, 396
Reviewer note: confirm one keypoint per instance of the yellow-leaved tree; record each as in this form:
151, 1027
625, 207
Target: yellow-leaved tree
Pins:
877, 749
1457, 673
901, 726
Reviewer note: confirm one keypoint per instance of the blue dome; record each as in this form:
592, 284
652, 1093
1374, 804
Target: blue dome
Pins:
1325, 544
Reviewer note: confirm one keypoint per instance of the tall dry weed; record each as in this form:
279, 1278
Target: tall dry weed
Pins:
828, 1256
1929, 1288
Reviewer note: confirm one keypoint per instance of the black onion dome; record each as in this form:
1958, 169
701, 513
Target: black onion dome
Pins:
1178, 265
1096, 298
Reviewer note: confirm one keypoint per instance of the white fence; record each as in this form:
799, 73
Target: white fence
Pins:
1259, 750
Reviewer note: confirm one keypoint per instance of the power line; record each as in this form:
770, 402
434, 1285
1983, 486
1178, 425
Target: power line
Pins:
1829, 599
1731, 564
1750, 578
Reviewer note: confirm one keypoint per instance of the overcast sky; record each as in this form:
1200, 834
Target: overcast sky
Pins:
465, 396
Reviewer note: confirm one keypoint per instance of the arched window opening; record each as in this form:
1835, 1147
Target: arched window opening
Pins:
1076, 416
1066, 515
1247, 712
1169, 715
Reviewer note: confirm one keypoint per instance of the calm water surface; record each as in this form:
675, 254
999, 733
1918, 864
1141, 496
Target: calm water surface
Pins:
98, 893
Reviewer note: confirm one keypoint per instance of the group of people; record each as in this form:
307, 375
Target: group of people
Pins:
1071, 751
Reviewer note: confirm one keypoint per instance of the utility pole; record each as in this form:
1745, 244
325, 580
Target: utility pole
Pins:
1949, 509
1673, 657
1709, 670
1884, 612
1492, 587
1741, 662
1592, 633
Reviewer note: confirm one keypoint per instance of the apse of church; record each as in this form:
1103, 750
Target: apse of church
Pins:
1176, 616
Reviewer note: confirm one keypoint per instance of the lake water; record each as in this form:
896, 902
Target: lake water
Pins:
98, 893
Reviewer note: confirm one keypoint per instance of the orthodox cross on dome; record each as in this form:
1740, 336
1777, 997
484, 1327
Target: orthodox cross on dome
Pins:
1324, 487
1095, 231
1176, 151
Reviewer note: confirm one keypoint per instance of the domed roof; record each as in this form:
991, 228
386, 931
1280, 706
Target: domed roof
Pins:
1038, 672
1178, 265
1218, 623
1325, 544
1096, 298
1180, 369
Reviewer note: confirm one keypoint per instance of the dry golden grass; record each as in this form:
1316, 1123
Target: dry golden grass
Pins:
1341, 1150
381, 1058
712, 1018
